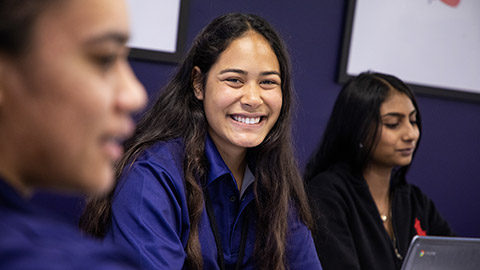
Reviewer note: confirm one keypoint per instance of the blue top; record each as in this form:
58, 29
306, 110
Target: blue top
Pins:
150, 214
31, 238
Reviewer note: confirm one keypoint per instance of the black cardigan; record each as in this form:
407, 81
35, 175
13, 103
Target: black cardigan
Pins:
349, 232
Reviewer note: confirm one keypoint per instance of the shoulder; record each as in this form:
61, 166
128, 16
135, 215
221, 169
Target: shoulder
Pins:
337, 177
331, 191
335, 191
41, 242
155, 176
164, 153
163, 161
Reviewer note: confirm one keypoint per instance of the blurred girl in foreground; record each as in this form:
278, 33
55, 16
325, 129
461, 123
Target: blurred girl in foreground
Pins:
66, 94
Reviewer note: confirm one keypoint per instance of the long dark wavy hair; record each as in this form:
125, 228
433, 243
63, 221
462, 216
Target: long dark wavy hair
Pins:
178, 113
355, 121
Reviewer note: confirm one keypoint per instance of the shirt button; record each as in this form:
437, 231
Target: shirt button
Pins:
233, 199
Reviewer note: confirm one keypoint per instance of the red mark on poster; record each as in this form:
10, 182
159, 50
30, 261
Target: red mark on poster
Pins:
452, 3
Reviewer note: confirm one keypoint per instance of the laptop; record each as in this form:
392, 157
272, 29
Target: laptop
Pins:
442, 253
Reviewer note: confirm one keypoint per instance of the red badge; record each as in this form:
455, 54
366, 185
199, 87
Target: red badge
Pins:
419, 229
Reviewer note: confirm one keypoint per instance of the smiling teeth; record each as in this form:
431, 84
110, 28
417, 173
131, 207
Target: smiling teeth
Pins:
246, 120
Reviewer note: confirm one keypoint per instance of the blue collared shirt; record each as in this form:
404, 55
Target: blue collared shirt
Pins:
33, 238
150, 213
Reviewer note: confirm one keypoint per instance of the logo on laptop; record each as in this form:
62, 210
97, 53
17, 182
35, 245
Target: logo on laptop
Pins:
426, 253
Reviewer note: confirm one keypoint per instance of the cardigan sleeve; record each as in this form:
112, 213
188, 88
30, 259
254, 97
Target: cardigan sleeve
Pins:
149, 215
332, 235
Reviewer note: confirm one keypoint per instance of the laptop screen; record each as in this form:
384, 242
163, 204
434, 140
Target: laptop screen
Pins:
436, 252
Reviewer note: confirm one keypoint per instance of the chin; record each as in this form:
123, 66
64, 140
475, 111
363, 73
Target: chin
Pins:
101, 182
249, 144
405, 163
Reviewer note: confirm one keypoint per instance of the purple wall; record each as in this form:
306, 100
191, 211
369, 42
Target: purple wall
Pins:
446, 163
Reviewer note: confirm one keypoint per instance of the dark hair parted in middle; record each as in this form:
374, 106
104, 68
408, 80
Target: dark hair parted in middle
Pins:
178, 113
353, 129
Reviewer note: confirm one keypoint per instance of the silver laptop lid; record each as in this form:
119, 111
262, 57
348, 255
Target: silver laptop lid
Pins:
442, 253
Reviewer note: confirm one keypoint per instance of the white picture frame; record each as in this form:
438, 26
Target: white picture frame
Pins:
433, 45
158, 29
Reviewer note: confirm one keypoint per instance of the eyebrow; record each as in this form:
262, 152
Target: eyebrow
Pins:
117, 37
243, 72
396, 114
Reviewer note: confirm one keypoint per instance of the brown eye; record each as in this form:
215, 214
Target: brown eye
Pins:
391, 125
268, 82
106, 61
233, 80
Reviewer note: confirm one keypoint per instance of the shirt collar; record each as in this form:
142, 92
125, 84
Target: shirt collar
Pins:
248, 179
217, 166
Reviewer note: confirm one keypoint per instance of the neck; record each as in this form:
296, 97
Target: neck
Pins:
16, 183
378, 181
12, 160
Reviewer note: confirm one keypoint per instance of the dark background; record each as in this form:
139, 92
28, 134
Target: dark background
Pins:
447, 161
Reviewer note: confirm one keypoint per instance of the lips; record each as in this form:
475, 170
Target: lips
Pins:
112, 142
406, 151
113, 148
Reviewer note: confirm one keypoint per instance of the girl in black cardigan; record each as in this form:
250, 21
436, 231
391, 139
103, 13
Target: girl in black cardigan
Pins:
367, 213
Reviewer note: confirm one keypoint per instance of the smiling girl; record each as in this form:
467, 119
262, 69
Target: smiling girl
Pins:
209, 179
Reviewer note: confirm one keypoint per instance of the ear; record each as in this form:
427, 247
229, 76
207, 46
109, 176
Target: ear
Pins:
197, 82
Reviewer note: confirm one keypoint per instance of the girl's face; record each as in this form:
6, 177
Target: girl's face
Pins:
399, 132
65, 104
242, 96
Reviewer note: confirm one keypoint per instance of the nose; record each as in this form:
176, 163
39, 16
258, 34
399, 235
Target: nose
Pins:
411, 132
252, 96
131, 96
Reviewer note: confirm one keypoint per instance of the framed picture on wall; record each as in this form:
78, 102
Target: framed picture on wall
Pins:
433, 45
158, 29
